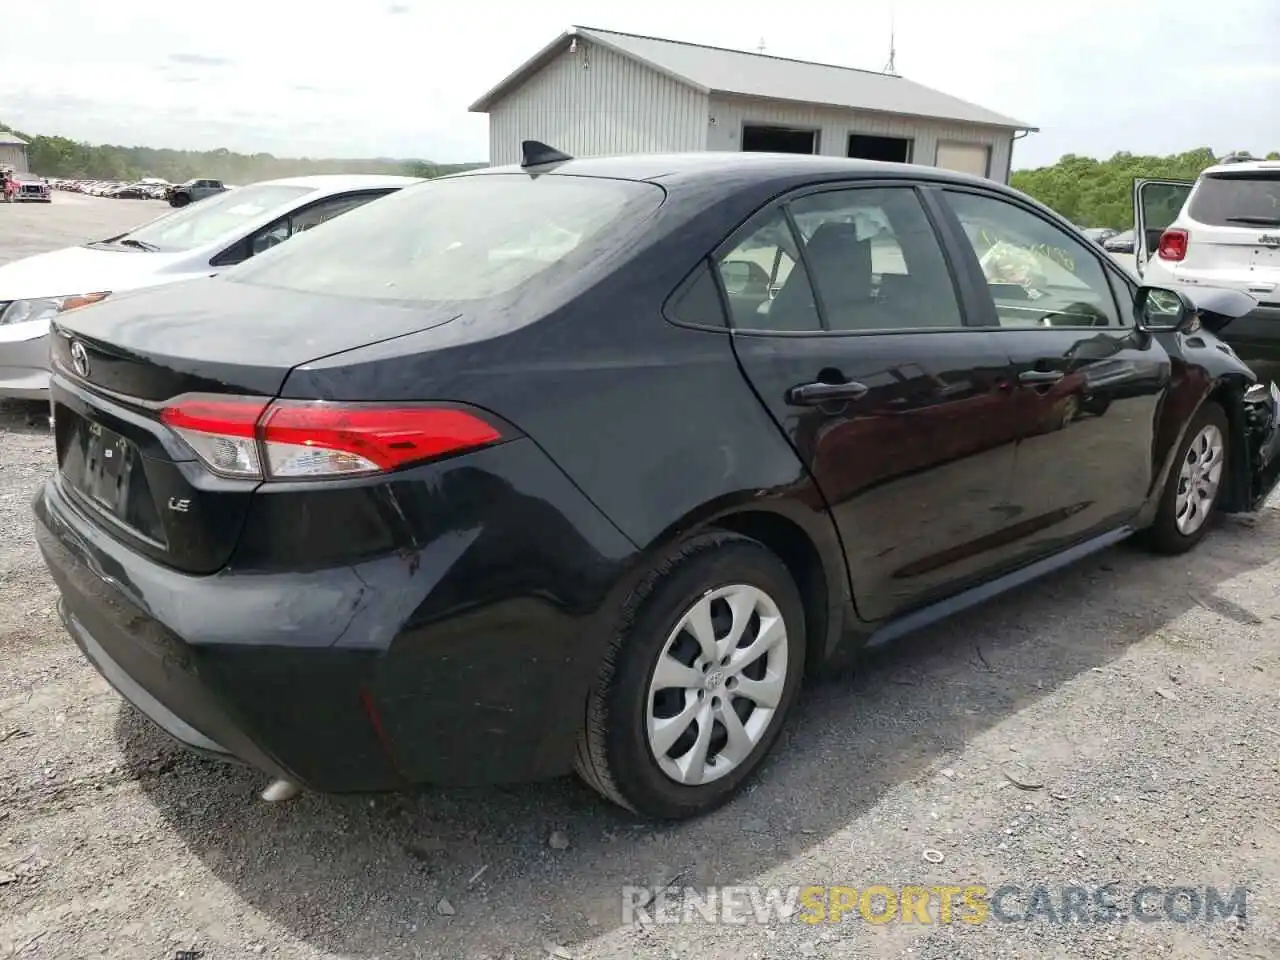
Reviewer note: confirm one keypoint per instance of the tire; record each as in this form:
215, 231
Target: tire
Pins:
614, 754
1165, 535
179, 200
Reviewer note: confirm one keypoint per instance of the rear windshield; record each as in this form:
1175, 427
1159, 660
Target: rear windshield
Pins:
464, 238
207, 220
1237, 199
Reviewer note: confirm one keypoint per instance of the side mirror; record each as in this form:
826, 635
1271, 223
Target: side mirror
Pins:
1158, 308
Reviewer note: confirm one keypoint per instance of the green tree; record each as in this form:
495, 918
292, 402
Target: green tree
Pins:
61, 157
1099, 193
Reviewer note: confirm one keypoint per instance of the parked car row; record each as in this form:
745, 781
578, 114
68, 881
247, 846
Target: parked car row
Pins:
149, 189
586, 464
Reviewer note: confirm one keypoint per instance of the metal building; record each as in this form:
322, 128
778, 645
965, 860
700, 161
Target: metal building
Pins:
595, 92
13, 152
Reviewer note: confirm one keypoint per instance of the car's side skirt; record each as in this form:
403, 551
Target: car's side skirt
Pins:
926, 616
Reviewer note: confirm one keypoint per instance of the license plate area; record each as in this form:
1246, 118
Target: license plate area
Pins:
108, 473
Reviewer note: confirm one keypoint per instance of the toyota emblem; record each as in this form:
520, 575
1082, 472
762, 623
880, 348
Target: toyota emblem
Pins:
80, 358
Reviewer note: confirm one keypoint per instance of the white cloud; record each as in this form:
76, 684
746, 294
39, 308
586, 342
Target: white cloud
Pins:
395, 79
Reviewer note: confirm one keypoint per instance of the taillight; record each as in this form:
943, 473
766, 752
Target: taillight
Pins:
302, 439
1173, 245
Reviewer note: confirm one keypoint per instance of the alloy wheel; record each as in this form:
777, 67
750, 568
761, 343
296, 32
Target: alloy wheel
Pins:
1198, 479
717, 684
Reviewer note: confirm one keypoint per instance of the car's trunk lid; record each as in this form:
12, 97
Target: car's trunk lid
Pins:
215, 335
118, 363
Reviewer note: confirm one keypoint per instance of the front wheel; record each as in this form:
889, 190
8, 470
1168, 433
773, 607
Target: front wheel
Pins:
179, 200
694, 690
1191, 494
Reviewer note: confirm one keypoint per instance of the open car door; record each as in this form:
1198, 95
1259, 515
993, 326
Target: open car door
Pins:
1156, 204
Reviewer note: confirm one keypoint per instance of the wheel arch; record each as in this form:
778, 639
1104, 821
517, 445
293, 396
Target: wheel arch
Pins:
804, 539
1227, 391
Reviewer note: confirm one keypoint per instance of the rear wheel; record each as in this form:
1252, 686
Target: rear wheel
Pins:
1195, 484
696, 686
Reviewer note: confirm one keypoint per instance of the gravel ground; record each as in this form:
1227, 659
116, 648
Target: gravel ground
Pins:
1133, 699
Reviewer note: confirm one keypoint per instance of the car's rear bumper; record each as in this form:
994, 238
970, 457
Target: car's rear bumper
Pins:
450, 666
276, 707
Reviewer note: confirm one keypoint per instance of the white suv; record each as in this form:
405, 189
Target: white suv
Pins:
1222, 230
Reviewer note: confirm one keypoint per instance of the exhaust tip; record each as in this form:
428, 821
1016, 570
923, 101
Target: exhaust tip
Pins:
278, 791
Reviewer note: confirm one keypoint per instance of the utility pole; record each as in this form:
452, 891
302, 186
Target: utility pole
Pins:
891, 67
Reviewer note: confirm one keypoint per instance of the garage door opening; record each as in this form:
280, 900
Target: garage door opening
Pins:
890, 149
974, 158
779, 140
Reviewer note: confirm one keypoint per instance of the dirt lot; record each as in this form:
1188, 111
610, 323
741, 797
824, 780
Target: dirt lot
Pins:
1133, 699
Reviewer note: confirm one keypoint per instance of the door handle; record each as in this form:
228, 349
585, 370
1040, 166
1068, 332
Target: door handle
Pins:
1040, 377
816, 394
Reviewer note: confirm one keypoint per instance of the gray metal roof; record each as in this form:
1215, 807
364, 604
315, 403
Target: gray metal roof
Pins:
717, 70
9, 139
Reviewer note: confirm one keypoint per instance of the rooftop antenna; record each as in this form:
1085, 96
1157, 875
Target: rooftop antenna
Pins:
760, 46
891, 67
534, 153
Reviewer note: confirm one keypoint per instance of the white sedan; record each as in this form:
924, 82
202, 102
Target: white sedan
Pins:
194, 241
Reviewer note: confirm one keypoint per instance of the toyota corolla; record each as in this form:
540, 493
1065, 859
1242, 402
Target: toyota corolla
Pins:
587, 463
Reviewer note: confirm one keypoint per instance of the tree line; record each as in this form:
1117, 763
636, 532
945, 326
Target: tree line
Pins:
70, 159
1099, 193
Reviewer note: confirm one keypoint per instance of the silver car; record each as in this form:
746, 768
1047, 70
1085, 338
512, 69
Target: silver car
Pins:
195, 241
191, 191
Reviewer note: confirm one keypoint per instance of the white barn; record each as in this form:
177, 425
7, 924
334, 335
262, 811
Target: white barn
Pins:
13, 152
595, 92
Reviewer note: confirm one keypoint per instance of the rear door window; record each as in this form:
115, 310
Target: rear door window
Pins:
1241, 199
876, 261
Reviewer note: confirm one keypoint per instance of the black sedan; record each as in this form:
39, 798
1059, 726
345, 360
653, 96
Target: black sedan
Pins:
587, 464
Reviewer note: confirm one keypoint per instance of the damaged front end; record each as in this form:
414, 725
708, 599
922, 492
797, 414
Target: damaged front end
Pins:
1262, 434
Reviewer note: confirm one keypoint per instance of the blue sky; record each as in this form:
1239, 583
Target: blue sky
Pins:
378, 78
